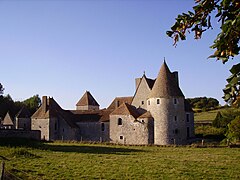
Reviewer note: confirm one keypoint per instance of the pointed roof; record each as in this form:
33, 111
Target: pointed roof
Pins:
119, 101
146, 115
87, 99
23, 113
7, 121
126, 109
165, 85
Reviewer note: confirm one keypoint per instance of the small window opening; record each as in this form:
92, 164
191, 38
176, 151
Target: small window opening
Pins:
175, 101
103, 126
118, 103
119, 121
142, 121
142, 102
158, 101
175, 118
176, 131
55, 127
121, 137
148, 102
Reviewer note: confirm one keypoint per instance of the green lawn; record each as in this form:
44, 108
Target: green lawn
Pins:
95, 161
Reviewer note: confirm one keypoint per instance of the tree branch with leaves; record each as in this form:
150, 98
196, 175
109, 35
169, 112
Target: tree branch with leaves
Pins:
226, 44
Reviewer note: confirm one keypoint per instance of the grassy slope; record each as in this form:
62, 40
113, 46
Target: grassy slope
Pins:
86, 161
209, 115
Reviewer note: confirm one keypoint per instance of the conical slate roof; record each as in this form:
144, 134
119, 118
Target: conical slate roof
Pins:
7, 121
165, 85
87, 99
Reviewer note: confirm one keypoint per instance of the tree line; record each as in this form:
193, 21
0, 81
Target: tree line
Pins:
7, 104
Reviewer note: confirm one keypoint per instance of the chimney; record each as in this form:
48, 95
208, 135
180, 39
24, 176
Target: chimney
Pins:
175, 75
44, 103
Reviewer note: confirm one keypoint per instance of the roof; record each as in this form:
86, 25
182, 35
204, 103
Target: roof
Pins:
50, 109
118, 101
150, 82
87, 99
146, 115
165, 85
126, 109
23, 113
7, 121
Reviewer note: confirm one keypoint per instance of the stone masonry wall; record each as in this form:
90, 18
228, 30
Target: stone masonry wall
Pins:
130, 132
36, 135
43, 126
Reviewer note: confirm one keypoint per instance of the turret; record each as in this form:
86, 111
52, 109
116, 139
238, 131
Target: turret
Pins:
166, 104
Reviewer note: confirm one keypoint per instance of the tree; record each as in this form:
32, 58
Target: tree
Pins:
1, 89
32, 103
233, 133
226, 44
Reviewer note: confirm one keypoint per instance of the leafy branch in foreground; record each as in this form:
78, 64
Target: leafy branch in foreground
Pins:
226, 44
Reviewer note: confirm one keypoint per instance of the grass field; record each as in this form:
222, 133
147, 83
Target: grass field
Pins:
95, 161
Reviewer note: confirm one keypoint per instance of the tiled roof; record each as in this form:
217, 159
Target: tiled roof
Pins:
146, 115
23, 113
165, 85
7, 121
126, 109
50, 108
87, 99
118, 101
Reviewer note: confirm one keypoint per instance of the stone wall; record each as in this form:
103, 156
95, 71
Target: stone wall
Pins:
169, 120
23, 123
88, 107
36, 135
43, 126
131, 131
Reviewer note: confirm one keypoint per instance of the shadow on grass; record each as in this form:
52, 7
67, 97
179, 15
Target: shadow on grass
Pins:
78, 148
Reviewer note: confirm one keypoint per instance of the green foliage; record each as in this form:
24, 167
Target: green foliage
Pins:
8, 105
224, 118
32, 103
203, 102
210, 131
233, 132
226, 44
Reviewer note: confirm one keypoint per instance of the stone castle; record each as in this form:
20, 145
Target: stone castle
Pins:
157, 114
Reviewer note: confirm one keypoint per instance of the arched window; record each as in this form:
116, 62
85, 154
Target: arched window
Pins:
119, 121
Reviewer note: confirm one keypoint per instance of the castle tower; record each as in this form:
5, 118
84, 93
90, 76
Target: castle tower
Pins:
166, 104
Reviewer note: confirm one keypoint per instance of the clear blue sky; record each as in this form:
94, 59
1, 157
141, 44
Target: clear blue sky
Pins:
62, 48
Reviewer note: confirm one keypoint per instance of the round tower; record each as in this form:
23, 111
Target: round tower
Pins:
166, 104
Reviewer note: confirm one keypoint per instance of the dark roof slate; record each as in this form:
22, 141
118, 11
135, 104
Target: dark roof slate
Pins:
165, 85
146, 115
87, 99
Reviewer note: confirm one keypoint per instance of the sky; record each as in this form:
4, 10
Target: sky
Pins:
61, 48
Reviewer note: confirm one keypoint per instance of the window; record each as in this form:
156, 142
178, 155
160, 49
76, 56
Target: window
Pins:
142, 121
103, 126
175, 101
158, 101
175, 118
148, 102
119, 121
176, 131
118, 103
188, 117
121, 137
55, 126
142, 102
